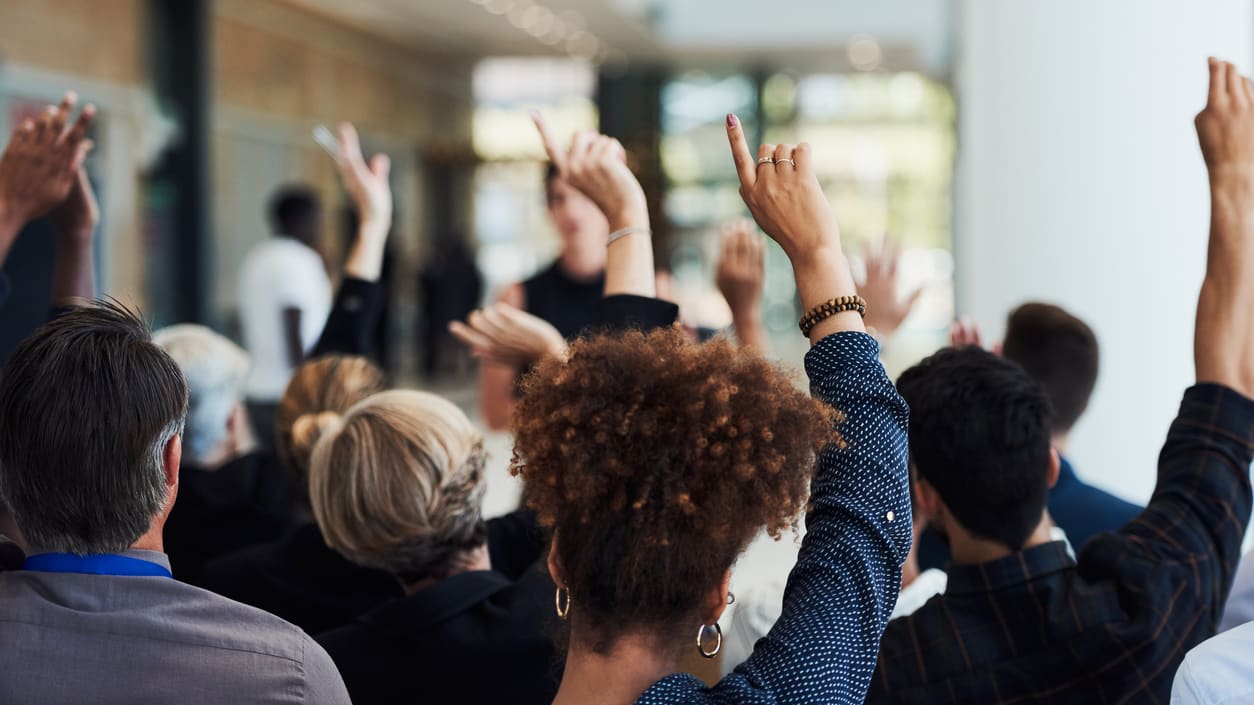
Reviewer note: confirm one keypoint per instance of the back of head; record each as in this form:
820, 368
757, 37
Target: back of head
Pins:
979, 434
319, 392
1060, 352
398, 485
655, 461
87, 405
215, 370
294, 210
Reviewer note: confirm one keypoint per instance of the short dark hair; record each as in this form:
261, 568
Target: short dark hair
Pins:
292, 207
87, 405
1060, 352
979, 434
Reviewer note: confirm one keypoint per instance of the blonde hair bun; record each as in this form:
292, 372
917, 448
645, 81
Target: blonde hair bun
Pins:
308, 429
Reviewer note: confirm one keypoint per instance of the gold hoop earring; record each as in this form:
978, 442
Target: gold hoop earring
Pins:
718, 644
563, 606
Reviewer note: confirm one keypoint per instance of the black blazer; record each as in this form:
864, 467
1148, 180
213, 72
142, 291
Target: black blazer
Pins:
247, 501
481, 637
300, 579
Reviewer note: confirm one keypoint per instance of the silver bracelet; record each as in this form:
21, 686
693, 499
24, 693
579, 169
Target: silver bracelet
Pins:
620, 234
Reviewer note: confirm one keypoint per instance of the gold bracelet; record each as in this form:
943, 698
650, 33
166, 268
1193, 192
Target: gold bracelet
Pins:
830, 308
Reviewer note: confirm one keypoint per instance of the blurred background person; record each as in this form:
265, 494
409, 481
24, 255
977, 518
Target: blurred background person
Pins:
285, 297
564, 294
231, 494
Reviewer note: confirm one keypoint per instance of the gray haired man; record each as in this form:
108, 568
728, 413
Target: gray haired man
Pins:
91, 422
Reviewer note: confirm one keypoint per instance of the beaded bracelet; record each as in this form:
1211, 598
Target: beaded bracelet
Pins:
830, 308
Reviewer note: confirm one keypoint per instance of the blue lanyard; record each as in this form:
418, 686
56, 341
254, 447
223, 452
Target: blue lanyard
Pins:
95, 564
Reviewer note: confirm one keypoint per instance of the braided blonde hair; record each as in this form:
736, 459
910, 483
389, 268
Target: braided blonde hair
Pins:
397, 484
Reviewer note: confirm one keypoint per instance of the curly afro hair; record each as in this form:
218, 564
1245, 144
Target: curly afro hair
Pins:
655, 461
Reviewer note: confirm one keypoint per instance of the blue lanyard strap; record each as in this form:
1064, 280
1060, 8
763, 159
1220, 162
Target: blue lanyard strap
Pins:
95, 564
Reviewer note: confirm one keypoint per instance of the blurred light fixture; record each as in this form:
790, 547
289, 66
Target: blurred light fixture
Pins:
567, 30
498, 7
538, 21
517, 14
865, 53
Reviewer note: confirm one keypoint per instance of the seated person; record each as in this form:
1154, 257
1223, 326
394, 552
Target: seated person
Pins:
231, 494
397, 486
1020, 620
298, 577
1060, 352
91, 421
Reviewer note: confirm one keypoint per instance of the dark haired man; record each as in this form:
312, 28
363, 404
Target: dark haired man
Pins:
1020, 621
1060, 352
91, 422
284, 298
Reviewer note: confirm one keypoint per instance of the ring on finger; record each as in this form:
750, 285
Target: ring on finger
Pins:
786, 161
766, 160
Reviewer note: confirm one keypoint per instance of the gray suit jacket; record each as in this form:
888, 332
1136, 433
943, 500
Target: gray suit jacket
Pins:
111, 639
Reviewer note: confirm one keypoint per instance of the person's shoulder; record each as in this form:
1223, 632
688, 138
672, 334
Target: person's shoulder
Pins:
1220, 669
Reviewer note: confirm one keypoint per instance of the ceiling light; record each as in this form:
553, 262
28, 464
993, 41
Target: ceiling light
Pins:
865, 53
539, 21
498, 7
518, 13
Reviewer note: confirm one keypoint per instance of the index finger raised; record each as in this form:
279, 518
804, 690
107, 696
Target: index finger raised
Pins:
746, 165
550, 144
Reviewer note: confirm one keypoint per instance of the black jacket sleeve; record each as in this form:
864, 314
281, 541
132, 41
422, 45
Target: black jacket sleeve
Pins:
353, 319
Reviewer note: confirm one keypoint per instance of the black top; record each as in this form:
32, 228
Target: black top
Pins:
568, 304
481, 637
247, 501
300, 579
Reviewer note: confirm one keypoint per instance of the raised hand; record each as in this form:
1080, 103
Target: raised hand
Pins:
504, 334
783, 194
368, 186
597, 165
880, 286
40, 165
1225, 309
78, 215
741, 271
965, 332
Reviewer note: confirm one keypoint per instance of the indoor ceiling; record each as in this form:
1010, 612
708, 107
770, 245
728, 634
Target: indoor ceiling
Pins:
912, 34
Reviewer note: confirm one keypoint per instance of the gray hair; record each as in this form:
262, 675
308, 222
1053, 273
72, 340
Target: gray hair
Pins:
215, 369
88, 405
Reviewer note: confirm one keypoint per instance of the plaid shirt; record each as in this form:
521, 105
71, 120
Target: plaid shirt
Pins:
1111, 627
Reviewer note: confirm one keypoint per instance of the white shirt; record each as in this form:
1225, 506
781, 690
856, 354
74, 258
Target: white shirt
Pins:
1240, 607
278, 274
1219, 671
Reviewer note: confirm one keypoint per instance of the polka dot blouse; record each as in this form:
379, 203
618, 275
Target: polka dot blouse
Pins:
844, 585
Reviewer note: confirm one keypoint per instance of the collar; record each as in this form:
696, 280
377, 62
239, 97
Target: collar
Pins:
1017, 568
134, 563
436, 603
1066, 473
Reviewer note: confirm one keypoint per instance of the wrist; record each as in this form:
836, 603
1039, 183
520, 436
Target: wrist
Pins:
629, 216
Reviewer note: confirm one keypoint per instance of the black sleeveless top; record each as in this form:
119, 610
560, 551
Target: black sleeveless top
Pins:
568, 304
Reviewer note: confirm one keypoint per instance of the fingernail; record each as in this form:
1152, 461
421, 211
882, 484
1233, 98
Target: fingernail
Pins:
535, 114
732, 120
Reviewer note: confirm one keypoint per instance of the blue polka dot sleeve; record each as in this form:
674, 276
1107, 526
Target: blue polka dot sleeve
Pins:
845, 583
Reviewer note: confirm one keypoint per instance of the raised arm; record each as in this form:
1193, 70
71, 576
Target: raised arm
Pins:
75, 220
1222, 345
740, 278
40, 166
844, 585
785, 198
355, 312
597, 166
880, 285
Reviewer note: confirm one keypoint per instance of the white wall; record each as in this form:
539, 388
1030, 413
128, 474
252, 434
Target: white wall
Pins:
1080, 183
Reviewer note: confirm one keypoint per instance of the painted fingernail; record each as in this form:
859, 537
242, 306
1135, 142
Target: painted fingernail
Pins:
732, 120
